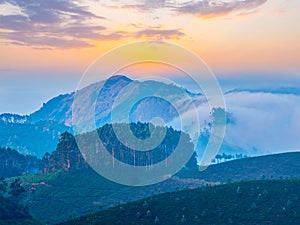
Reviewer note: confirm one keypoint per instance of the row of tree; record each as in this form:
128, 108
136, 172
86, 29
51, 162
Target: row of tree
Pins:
67, 154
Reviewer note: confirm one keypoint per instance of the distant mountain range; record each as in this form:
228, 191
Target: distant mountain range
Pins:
31, 138
59, 109
258, 122
9, 118
55, 116
247, 116
280, 90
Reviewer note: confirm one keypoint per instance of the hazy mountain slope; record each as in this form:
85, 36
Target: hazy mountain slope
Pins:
262, 121
29, 138
14, 118
56, 109
60, 108
248, 203
14, 164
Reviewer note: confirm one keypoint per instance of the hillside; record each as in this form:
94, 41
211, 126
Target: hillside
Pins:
60, 195
31, 138
273, 166
12, 208
14, 164
247, 203
66, 179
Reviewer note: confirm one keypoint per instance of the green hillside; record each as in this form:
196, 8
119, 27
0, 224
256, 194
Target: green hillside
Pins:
245, 203
12, 208
275, 166
59, 195
67, 187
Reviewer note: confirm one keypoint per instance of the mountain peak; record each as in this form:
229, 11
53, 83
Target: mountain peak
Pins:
117, 78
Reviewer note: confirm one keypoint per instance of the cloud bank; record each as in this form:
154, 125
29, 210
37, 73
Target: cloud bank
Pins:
264, 122
261, 121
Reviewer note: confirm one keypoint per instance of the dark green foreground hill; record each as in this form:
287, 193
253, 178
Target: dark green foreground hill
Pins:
60, 195
274, 166
245, 203
12, 208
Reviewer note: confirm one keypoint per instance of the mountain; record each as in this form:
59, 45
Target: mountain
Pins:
267, 119
248, 203
55, 116
31, 138
115, 88
12, 163
280, 90
8, 118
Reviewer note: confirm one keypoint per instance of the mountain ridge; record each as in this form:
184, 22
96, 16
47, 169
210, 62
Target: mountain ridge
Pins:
60, 108
288, 90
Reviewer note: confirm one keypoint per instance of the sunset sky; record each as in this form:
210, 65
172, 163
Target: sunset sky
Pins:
46, 45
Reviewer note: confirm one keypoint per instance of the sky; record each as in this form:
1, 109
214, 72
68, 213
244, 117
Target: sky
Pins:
46, 45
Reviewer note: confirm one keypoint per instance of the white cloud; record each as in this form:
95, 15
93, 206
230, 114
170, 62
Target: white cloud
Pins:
264, 121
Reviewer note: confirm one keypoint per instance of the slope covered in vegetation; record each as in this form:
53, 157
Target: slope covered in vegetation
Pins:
245, 203
12, 207
12, 163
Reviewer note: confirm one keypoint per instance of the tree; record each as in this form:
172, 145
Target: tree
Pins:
67, 155
219, 116
3, 186
11, 206
16, 190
